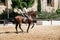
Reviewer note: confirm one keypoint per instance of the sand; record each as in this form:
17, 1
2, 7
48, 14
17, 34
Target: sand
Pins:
39, 32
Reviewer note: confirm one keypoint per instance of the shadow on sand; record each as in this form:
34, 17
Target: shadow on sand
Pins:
11, 32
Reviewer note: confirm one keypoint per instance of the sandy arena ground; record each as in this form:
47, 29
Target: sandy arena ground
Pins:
39, 32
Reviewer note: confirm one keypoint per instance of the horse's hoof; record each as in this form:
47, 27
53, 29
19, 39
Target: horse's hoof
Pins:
31, 27
27, 31
16, 32
22, 31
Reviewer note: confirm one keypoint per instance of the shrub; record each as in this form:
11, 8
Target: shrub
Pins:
58, 11
46, 15
12, 14
39, 7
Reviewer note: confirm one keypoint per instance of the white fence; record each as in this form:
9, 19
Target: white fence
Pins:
48, 22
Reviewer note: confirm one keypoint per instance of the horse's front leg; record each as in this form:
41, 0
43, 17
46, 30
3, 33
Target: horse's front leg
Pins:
28, 27
20, 27
16, 27
32, 25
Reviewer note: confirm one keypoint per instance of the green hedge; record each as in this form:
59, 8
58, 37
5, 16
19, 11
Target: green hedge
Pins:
45, 15
58, 11
4, 15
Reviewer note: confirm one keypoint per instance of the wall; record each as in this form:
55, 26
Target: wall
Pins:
44, 6
3, 7
58, 3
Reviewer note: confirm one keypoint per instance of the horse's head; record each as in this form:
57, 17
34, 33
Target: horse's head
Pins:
33, 14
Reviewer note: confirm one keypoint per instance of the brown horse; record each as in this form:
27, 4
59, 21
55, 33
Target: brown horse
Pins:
20, 19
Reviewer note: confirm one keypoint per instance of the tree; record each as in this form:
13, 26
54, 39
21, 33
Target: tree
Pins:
39, 7
22, 3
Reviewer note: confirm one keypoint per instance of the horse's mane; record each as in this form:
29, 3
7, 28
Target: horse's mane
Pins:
32, 13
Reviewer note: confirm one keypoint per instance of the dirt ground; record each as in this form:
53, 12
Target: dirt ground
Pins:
39, 32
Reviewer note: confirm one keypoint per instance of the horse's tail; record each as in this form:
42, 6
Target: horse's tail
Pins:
14, 20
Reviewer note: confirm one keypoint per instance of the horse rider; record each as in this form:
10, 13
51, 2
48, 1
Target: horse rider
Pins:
25, 13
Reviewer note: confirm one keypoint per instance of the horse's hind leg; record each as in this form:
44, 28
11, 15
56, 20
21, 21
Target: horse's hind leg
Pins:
28, 27
20, 27
16, 27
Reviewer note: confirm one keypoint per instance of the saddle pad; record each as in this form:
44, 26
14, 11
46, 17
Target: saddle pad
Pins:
25, 19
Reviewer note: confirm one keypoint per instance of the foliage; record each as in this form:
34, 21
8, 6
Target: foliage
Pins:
46, 15
4, 15
22, 3
29, 3
2, 0
39, 7
58, 11
13, 14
